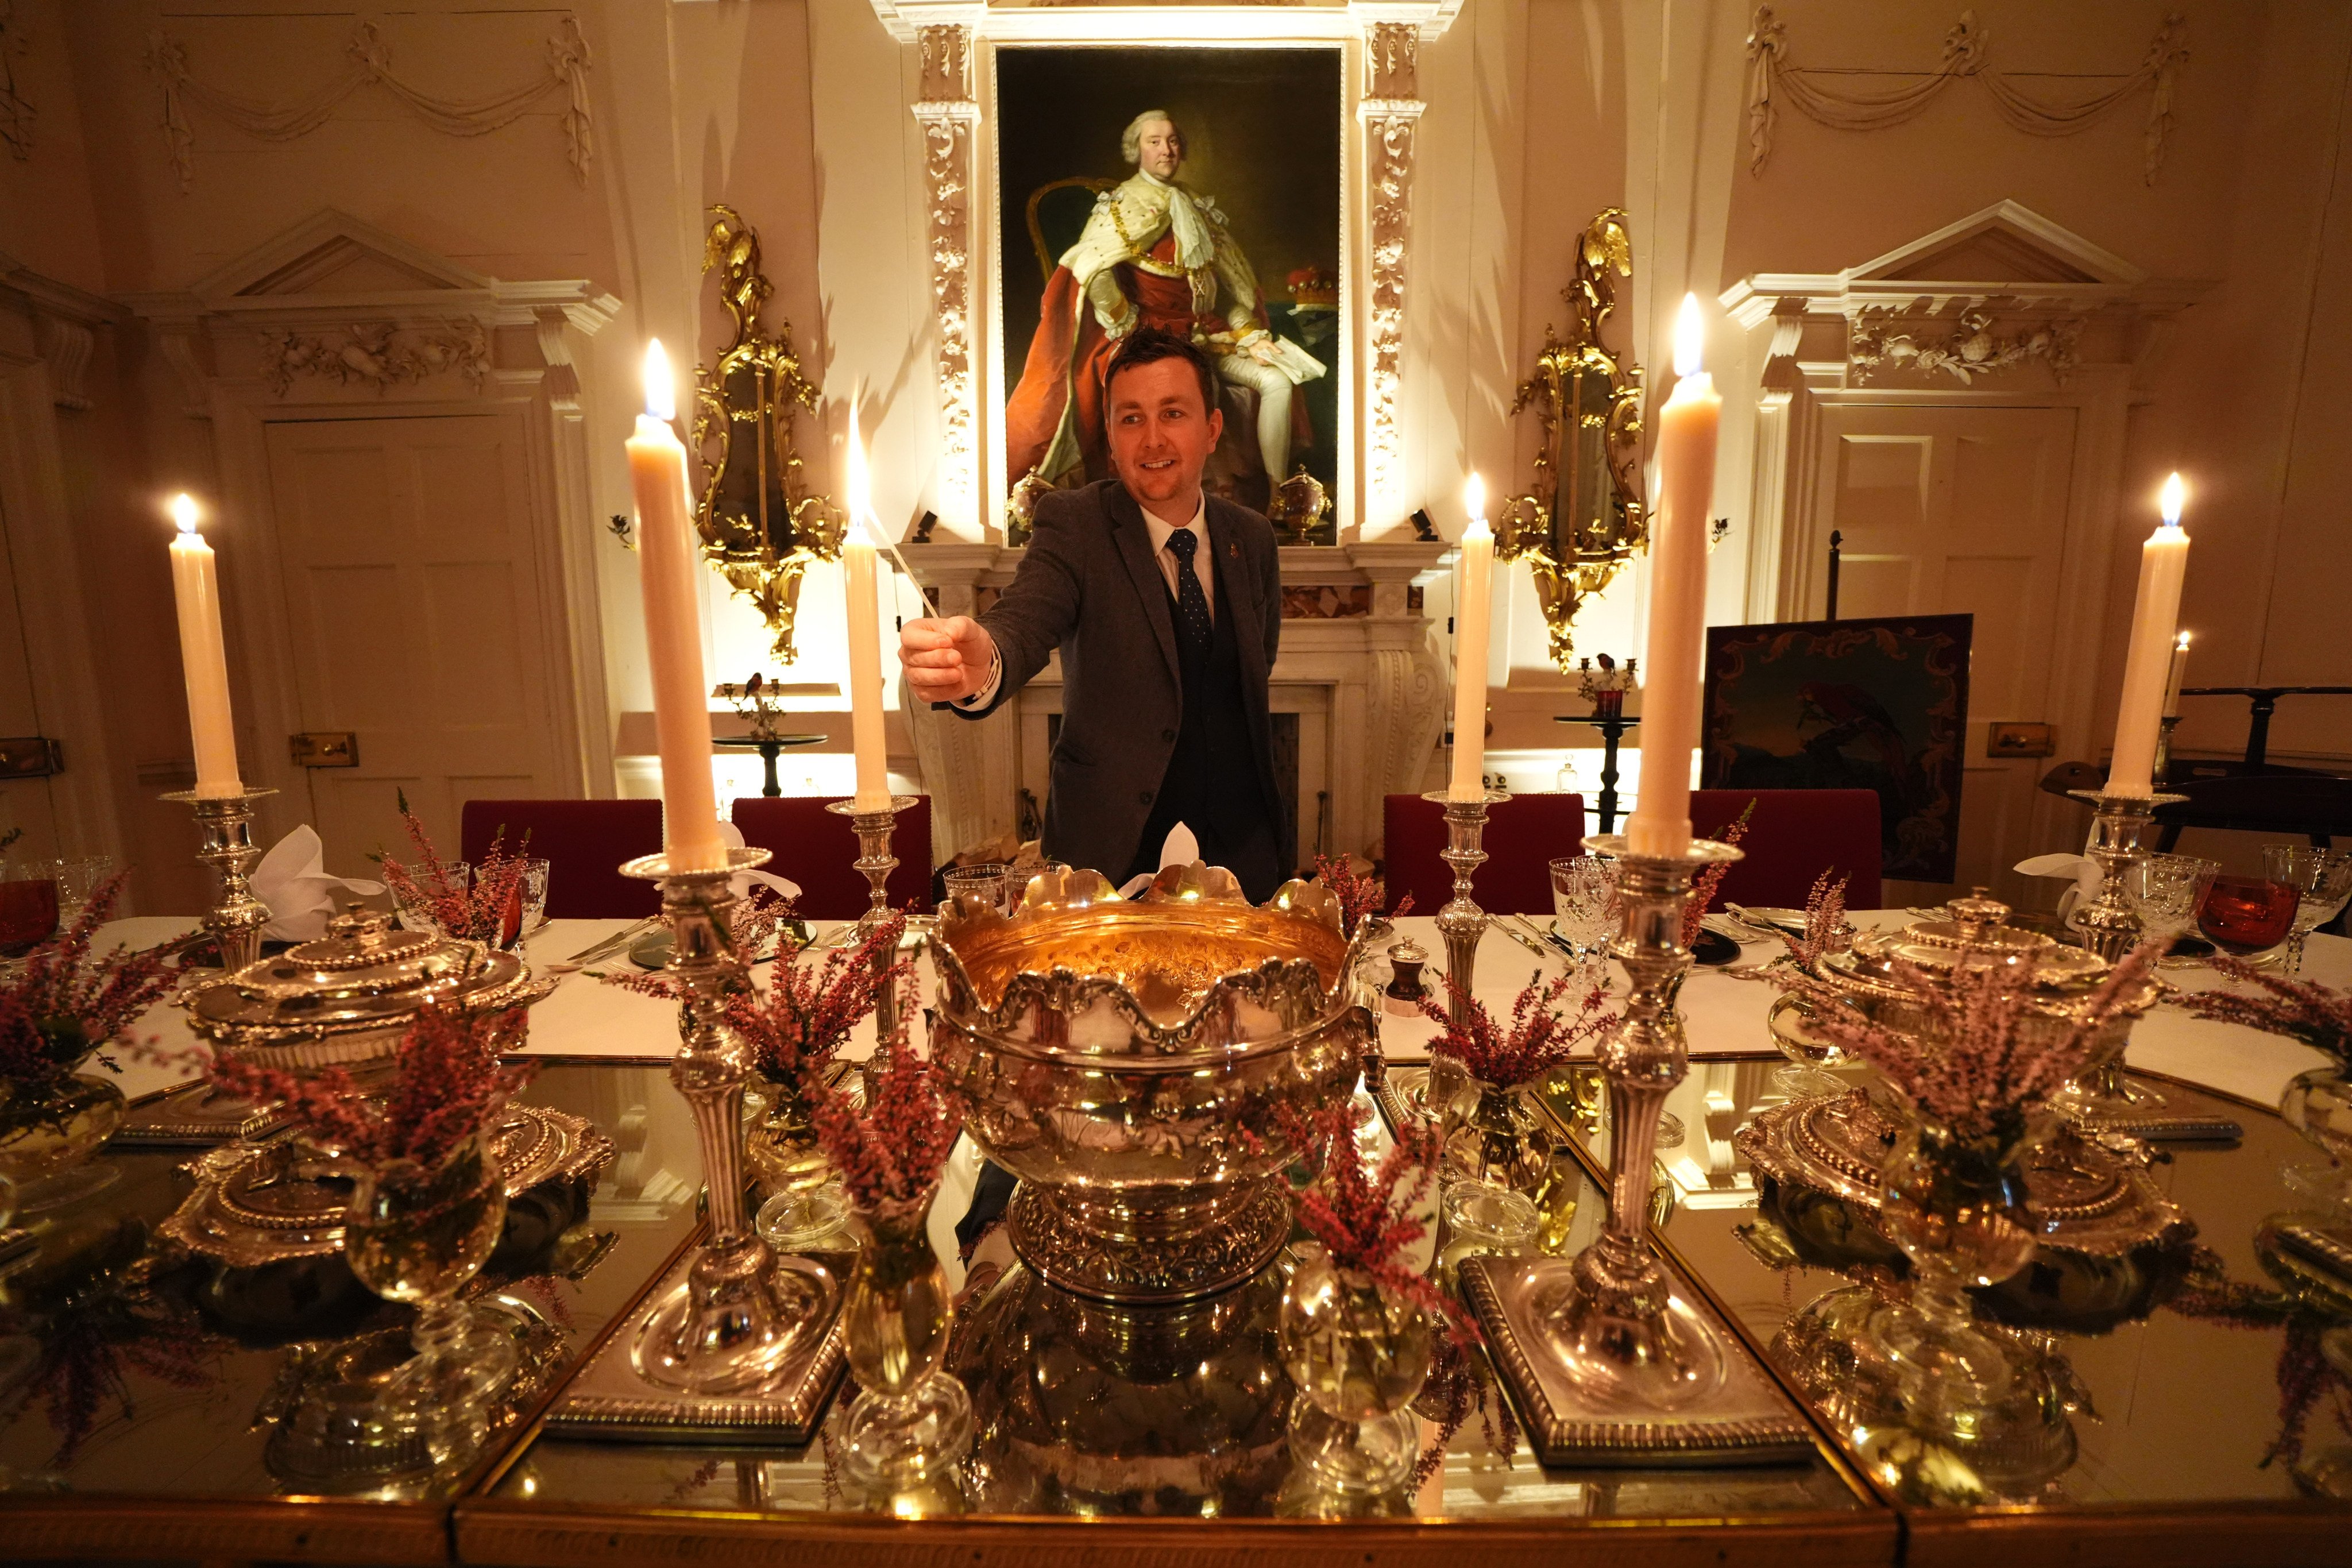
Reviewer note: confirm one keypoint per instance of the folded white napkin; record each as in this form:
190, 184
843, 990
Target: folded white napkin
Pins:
293, 880
1180, 849
740, 883
2084, 871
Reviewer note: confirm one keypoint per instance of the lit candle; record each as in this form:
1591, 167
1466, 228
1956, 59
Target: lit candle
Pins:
864, 636
667, 564
2179, 674
2163, 562
1660, 823
203, 660
1473, 597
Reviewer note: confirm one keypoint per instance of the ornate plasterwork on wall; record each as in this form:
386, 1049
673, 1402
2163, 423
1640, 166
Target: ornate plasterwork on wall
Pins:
563, 69
1390, 113
377, 354
1966, 349
16, 112
1821, 94
947, 115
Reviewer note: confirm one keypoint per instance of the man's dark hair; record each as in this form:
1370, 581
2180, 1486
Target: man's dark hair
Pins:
1146, 345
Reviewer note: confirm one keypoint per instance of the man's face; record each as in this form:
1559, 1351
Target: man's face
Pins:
1160, 437
1159, 147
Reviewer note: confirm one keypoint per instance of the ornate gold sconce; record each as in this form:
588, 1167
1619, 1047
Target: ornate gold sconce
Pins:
761, 526
1584, 517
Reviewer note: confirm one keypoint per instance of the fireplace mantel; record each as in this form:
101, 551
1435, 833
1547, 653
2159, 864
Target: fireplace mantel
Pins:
1357, 666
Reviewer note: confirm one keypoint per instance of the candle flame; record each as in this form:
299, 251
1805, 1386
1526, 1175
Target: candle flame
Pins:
1474, 497
183, 512
860, 486
661, 385
2173, 495
2181, 643
1690, 337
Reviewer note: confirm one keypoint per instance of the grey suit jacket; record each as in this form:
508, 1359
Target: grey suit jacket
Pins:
1088, 585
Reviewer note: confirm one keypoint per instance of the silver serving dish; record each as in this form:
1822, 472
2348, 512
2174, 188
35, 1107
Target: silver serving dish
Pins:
349, 996
1140, 1067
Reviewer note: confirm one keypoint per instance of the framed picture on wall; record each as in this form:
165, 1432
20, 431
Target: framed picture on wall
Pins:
1196, 190
1881, 705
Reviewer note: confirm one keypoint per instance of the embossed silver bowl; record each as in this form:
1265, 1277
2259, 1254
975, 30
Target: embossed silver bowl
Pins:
1132, 1062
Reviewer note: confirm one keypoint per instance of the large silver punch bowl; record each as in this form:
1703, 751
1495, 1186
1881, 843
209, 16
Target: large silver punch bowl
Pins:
1143, 1068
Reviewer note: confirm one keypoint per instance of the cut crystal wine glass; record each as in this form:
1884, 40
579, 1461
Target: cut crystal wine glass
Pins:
2322, 880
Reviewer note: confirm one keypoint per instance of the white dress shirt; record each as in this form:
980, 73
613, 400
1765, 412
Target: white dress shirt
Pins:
1165, 558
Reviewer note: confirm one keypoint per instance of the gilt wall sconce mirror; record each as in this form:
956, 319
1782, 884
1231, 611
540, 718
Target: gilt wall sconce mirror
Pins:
1582, 516
760, 524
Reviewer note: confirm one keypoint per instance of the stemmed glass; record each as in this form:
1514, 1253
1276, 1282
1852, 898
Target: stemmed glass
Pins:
2167, 891
2247, 915
1584, 909
2322, 879
78, 880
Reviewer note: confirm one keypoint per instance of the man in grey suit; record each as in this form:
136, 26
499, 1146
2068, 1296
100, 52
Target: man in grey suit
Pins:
1166, 607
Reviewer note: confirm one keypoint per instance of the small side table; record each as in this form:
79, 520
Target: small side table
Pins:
769, 750
1613, 731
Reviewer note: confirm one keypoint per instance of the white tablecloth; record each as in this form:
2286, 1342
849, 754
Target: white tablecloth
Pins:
587, 1017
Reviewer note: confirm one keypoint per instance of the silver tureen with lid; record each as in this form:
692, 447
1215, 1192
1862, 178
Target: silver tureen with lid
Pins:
349, 996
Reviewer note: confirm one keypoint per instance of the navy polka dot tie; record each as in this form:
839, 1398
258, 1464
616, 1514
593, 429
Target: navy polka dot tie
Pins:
1191, 606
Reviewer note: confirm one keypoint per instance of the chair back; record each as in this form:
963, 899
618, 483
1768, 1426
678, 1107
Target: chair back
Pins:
1523, 835
818, 849
585, 841
1794, 835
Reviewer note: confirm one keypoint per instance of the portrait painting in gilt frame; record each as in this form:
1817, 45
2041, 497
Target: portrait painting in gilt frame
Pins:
1881, 705
1193, 189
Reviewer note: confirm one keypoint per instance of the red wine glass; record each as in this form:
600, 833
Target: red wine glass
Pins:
28, 914
2247, 915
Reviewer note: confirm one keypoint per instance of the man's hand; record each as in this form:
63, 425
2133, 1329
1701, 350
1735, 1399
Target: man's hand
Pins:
946, 660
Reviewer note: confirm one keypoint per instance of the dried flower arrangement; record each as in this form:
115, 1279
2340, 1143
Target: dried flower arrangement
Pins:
1359, 894
756, 703
447, 1085
755, 918
64, 1005
808, 1011
890, 1154
1972, 1065
2318, 1016
1543, 1035
1705, 885
1364, 1217
489, 911
1826, 931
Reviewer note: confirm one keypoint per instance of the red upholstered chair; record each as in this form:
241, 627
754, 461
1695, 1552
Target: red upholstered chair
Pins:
585, 840
1524, 835
1794, 837
817, 849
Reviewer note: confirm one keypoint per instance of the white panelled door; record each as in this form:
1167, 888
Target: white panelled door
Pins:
419, 620
1950, 510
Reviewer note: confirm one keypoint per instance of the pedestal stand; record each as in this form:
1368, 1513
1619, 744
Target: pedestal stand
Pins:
224, 830
738, 1318
1623, 1334
2109, 927
1612, 728
875, 862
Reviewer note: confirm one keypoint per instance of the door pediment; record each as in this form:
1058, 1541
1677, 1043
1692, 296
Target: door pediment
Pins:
338, 256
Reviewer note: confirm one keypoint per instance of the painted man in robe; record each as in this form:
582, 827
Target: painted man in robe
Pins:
1153, 253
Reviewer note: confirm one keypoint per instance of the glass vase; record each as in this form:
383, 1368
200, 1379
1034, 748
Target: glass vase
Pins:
49, 1130
1955, 1206
911, 1421
415, 1234
801, 1202
1502, 1141
1357, 1355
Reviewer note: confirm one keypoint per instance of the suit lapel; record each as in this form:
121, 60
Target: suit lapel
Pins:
1134, 543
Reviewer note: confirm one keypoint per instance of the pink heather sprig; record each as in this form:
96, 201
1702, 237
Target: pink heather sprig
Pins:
2318, 1016
1825, 927
808, 1011
63, 1005
1358, 893
446, 1085
1542, 1036
889, 1154
1710, 877
490, 911
1972, 1065
1365, 1218
754, 919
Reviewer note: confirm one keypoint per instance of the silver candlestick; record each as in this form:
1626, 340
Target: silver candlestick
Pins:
224, 843
875, 829
2109, 927
1463, 924
1623, 1335
738, 1318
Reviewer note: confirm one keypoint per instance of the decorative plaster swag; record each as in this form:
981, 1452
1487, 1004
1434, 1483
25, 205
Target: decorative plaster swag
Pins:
1772, 80
567, 65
